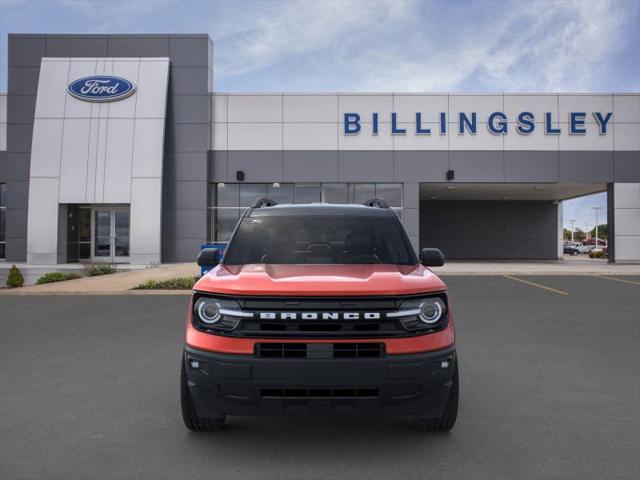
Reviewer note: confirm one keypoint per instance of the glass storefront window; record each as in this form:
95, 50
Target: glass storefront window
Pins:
228, 201
307, 192
335, 193
3, 216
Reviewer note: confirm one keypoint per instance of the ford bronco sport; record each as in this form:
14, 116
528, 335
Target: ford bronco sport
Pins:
319, 309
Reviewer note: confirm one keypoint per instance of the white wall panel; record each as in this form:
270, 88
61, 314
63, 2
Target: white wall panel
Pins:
219, 104
627, 136
3, 108
430, 106
148, 144
3, 136
255, 108
310, 136
584, 103
255, 136
310, 108
365, 105
365, 140
101, 158
626, 195
628, 221
483, 105
92, 159
536, 104
411, 141
151, 94
74, 158
592, 140
482, 140
43, 220
45, 147
51, 87
146, 219
118, 158
626, 107
534, 141
125, 108
219, 136
77, 108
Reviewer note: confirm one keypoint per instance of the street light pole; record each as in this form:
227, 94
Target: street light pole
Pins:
572, 222
596, 209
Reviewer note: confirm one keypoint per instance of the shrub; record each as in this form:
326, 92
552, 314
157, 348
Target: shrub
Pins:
52, 277
100, 269
597, 254
15, 278
180, 283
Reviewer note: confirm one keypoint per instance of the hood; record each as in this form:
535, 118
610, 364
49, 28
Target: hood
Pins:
320, 280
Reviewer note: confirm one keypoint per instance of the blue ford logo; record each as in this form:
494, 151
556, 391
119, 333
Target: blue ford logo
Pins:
102, 88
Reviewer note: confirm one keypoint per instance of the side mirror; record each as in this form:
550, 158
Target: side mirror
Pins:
209, 257
431, 257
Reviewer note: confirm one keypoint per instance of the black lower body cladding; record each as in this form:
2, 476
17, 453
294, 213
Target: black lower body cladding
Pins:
224, 384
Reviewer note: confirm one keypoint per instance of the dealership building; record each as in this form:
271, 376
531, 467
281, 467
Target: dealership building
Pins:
118, 148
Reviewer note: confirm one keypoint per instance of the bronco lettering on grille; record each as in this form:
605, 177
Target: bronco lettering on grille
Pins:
319, 316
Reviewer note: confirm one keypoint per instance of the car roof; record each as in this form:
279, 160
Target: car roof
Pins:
320, 209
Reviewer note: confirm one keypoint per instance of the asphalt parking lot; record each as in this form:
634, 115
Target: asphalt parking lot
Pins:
550, 388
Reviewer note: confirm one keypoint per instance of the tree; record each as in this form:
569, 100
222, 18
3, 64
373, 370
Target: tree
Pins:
603, 231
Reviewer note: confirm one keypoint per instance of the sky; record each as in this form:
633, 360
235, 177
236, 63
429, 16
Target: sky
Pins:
377, 45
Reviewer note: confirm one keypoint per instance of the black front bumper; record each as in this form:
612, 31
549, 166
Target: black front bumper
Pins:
225, 384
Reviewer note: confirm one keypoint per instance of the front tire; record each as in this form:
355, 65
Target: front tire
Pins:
447, 420
192, 420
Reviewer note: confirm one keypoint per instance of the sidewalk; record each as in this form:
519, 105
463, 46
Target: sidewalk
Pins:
124, 282
115, 283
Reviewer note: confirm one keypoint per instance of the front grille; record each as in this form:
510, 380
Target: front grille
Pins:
383, 327
320, 350
324, 393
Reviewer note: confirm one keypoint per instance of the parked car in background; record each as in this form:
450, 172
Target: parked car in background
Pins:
571, 248
586, 248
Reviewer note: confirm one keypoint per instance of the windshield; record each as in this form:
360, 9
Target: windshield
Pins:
337, 239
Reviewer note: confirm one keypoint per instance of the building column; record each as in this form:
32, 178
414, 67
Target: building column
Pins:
623, 208
560, 237
411, 213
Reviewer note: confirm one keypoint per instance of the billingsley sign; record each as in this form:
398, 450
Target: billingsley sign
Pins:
497, 123
101, 88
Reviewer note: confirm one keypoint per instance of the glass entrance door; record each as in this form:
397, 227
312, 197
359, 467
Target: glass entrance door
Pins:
111, 234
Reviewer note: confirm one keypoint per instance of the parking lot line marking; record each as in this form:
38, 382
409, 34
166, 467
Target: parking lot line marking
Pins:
631, 282
534, 284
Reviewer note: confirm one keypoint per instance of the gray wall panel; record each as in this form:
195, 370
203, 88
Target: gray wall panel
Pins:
185, 195
189, 51
23, 80
490, 230
626, 166
428, 165
365, 166
26, 50
586, 166
258, 166
187, 137
188, 80
186, 223
218, 164
17, 247
15, 167
529, 166
19, 137
76, 46
22, 108
309, 166
477, 166
185, 166
138, 46
16, 224
188, 109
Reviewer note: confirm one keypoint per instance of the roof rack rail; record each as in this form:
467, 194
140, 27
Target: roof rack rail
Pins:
264, 202
376, 202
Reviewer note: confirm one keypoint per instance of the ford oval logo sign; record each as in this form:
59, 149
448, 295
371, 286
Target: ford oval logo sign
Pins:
101, 88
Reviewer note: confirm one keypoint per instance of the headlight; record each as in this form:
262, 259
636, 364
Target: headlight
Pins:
208, 310
210, 313
422, 313
431, 310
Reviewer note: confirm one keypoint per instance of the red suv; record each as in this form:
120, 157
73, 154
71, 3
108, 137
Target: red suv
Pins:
319, 309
